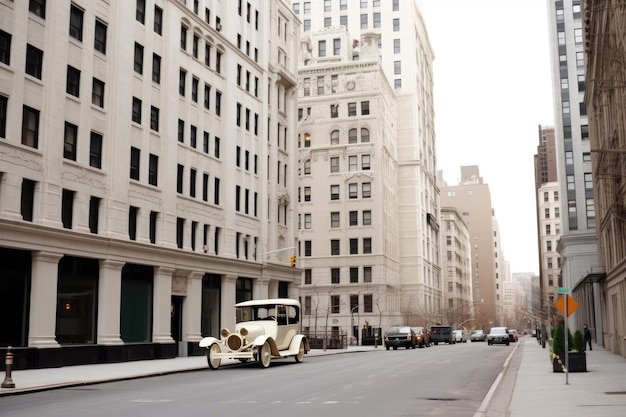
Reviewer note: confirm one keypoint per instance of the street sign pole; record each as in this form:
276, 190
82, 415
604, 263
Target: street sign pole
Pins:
566, 341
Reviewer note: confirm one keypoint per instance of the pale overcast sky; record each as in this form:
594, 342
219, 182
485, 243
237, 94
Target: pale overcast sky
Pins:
492, 89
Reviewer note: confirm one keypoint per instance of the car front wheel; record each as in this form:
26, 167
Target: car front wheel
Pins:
211, 358
264, 355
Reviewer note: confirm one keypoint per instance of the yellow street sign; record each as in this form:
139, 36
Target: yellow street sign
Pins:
572, 305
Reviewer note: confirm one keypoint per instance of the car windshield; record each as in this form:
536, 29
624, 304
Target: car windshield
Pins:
399, 330
286, 314
498, 330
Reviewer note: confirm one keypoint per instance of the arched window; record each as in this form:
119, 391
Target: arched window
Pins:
352, 136
334, 137
365, 135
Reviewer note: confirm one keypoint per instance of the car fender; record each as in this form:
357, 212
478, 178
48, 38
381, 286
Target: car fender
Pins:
208, 341
260, 340
295, 343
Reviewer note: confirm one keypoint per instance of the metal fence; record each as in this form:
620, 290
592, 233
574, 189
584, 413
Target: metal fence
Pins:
327, 338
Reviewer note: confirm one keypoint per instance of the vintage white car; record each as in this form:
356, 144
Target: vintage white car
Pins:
264, 329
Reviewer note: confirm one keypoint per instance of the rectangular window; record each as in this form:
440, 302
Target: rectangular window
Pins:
365, 108
353, 217
376, 20
134, 163
73, 81
334, 192
366, 190
396, 46
354, 246
194, 89
367, 245
353, 190
182, 77
94, 214
183, 38
205, 187
207, 96
336, 47
334, 111
97, 93
365, 162
136, 110
34, 61
193, 136
67, 208
133, 213
140, 11
334, 303
192, 182
218, 103
156, 68
3, 116
100, 37
76, 23
308, 248
154, 216
69, 142
354, 275
37, 7
368, 303
5, 47
367, 274
153, 170
27, 200
30, 127
181, 131
364, 21
353, 163
396, 25
335, 276
158, 20
334, 219
154, 118
334, 247
180, 171
180, 232
95, 150
216, 191
138, 59
367, 218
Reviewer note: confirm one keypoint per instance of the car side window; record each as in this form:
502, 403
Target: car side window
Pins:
282, 315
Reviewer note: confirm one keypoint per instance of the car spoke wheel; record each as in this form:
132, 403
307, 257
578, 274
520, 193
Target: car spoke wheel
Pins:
264, 355
300, 354
214, 362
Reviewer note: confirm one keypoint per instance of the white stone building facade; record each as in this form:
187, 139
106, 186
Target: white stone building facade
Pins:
147, 155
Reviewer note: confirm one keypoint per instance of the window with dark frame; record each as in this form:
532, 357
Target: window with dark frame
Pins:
134, 163
335, 276
34, 61
37, 7
136, 110
158, 20
94, 214
5, 47
154, 118
179, 178
133, 212
140, 11
76, 23
100, 37
69, 141
95, 150
27, 200
30, 127
4, 101
138, 59
97, 92
154, 216
73, 81
67, 208
153, 170
156, 68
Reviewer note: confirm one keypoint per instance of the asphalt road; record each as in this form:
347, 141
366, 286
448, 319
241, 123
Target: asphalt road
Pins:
444, 380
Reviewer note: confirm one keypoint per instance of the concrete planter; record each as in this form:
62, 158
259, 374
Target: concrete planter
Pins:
577, 362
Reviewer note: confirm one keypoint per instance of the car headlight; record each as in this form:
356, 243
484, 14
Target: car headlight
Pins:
234, 341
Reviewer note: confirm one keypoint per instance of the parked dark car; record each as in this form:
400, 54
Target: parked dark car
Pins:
423, 338
498, 335
400, 336
441, 334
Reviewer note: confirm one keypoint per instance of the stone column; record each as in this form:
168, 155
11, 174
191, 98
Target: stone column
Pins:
43, 300
109, 296
192, 308
229, 295
11, 196
162, 305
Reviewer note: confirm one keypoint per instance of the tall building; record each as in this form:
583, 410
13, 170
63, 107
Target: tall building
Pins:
457, 269
348, 228
548, 214
605, 291
147, 160
472, 198
577, 244
406, 58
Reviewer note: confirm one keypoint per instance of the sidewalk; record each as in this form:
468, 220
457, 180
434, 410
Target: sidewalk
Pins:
32, 380
528, 386
538, 391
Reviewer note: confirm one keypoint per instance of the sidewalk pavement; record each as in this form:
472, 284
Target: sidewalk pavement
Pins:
526, 387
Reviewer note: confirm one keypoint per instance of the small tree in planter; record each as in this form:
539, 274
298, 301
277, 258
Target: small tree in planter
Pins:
576, 355
578, 343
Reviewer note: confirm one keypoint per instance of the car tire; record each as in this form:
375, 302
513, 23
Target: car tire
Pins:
264, 355
395, 348
300, 355
213, 362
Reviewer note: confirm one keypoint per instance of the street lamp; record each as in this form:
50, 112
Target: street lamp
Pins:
355, 331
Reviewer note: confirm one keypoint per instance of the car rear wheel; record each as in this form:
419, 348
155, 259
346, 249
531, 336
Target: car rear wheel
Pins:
211, 358
264, 355
300, 354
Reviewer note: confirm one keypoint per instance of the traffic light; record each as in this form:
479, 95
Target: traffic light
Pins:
293, 260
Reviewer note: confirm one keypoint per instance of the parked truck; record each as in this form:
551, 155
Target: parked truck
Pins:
441, 334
